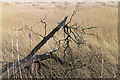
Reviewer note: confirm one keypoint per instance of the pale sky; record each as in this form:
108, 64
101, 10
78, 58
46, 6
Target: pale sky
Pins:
64, 0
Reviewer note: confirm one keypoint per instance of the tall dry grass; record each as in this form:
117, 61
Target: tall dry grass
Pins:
16, 15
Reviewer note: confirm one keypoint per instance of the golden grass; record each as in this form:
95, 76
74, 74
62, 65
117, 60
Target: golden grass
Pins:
17, 15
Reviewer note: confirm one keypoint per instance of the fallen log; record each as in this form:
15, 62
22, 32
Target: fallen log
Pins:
35, 59
27, 61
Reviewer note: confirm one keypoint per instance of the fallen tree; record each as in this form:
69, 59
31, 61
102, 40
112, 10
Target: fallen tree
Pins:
71, 33
26, 62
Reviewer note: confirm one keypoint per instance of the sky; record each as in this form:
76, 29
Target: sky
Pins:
63, 0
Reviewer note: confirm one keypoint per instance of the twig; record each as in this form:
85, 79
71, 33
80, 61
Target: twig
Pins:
30, 29
44, 24
87, 28
33, 32
74, 12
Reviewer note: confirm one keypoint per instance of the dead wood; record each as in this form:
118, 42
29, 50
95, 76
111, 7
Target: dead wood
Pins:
28, 60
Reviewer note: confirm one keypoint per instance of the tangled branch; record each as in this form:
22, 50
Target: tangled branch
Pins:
71, 34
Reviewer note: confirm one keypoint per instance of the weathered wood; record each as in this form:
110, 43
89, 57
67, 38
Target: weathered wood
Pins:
26, 62
45, 39
35, 59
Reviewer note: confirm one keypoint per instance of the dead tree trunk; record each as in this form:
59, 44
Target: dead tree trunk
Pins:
26, 62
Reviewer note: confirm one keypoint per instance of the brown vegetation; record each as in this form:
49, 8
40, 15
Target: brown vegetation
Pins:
86, 59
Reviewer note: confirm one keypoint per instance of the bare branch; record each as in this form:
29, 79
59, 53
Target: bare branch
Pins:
33, 32
83, 30
44, 24
74, 12
39, 21
30, 29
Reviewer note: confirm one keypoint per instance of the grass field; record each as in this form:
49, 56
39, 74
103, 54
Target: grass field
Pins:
103, 45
